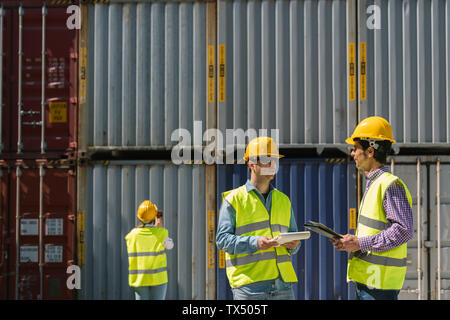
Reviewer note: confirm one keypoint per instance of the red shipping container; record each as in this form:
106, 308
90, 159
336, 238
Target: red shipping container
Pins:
22, 248
23, 56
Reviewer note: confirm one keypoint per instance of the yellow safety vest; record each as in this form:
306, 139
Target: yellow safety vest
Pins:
146, 256
252, 219
380, 270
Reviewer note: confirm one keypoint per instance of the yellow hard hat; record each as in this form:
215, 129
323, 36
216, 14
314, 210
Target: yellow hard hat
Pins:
147, 211
375, 128
261, 146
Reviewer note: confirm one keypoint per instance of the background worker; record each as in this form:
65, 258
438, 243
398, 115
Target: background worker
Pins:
250, 217
147, 259
377, 261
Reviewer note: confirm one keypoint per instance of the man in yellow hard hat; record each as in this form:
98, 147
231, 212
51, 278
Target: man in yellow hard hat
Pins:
146, 245
377, 260
250, 217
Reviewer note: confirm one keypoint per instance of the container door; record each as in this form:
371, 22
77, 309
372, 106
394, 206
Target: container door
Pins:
3, 233
440, 230
428, 267
415, 176
5, 78
40, 232
40, 80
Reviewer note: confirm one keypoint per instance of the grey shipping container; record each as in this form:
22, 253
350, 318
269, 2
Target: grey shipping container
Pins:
405, 57
285, 68
146, 72
113, 191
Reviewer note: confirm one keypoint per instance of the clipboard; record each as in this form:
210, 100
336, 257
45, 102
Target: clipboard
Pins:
291, 236
322, 230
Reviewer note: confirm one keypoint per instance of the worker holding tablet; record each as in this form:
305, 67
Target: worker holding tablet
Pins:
251, 216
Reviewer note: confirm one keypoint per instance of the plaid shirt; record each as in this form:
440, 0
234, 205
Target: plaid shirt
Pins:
398, 213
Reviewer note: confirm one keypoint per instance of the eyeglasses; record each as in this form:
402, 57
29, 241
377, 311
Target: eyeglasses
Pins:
263, 160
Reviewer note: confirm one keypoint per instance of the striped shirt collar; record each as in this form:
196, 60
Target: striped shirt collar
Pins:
371, 177
378, 172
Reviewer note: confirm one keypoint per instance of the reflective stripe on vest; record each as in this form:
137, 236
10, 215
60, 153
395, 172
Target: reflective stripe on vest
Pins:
260, 226
148, 271
146, 256
252, 219
380, 260
381, 270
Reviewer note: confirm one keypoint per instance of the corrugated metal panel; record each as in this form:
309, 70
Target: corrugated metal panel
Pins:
318, 191
147, 71
114, 191
408, 68
285, 68
37, 48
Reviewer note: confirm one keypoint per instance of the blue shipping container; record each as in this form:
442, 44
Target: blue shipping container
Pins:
320, 190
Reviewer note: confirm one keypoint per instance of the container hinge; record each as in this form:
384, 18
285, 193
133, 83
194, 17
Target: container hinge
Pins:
429, 244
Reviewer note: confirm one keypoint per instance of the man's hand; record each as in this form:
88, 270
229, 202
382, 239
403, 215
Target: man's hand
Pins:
291, 245
265, 243
348, 243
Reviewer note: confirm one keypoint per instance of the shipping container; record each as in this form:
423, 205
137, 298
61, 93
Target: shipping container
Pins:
38, 229
428, 267
113, 192
404, 59
321, 190
39, 80
285, 68
146, 75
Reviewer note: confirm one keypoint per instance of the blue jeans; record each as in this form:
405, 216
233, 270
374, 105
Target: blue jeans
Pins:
265, 290
363, 292
151, 292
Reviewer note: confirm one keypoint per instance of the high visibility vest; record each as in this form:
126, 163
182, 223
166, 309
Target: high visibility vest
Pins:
380, 270
146, 256
252, 219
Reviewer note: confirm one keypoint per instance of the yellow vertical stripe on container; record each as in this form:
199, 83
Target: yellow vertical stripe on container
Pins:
222, 73
81, 233
83, 74
351, 72
352, 219
211, 72
211, 240
363, 71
